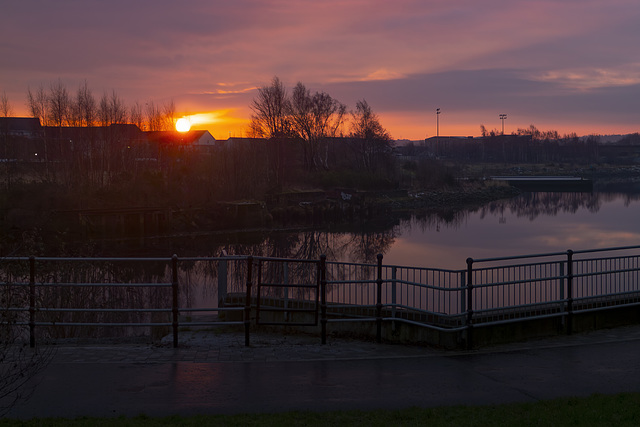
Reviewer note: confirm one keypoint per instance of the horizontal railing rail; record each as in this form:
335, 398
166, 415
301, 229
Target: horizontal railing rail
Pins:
53, 292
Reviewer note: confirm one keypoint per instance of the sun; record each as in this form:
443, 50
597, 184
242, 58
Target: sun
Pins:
183, 125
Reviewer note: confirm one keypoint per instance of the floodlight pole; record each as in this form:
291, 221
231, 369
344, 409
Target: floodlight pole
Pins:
437, 125
503, 117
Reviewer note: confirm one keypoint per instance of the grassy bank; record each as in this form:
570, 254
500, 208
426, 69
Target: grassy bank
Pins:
597, 410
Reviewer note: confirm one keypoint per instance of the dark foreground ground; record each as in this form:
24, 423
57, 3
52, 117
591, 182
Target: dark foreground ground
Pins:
213, 373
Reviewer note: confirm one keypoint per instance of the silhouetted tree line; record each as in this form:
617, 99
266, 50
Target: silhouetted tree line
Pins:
86, 142
530, 145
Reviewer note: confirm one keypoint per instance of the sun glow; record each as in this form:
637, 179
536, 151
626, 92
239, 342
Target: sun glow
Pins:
222, 123
183, 125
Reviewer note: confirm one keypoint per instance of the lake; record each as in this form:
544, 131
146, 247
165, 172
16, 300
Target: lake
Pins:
529, 224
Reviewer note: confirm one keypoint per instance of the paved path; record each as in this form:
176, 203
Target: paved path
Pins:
214, 373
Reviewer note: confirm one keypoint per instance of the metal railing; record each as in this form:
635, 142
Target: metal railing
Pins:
126, 293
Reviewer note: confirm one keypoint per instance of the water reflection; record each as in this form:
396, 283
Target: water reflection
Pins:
530, 223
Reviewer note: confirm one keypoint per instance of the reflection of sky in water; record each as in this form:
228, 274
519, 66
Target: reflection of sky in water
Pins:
497, 234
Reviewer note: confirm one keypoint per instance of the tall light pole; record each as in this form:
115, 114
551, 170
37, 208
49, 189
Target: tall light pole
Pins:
437, 125
503, 118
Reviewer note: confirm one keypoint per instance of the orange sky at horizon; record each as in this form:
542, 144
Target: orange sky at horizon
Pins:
223, 124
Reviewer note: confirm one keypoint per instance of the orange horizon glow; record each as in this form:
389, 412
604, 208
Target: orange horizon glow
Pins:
223, 124
234, 122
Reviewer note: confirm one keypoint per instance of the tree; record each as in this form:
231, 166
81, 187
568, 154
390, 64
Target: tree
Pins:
270, 111
169, 115
37, 103
160, 118
136, 115
370, 139
111, 110
59, 104
315, 118
84, 109
6, 109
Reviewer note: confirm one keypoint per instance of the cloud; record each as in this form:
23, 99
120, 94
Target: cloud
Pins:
592, 78
406, 56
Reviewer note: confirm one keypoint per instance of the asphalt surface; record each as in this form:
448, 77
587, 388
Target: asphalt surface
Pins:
214, 373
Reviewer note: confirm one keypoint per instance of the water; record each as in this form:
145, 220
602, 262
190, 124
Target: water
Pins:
532, 223
529, 224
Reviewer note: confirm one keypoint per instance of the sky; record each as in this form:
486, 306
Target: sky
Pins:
565, 65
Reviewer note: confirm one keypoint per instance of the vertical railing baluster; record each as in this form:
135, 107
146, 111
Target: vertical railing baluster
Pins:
379, 301
222, 281
247, 303
562, 281
394, 272
569, 291
32, 301
323, 298
463, 300
285, 279
469, 303
258, 291
174, 300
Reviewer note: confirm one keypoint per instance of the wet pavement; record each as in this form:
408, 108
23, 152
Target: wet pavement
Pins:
213, 372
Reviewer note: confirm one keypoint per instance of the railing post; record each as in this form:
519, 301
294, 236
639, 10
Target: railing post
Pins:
469, 303
323, 298
379, 301
222, 281
247, 303
258, 289
463, 283
32, 301
569, 292
285, 276
394, 275
562, 281
174, 304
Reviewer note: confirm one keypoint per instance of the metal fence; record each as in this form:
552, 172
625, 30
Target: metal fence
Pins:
81, 296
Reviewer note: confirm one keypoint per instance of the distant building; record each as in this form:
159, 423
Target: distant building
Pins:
192, 138
22, 127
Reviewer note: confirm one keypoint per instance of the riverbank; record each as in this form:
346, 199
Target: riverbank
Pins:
37, 215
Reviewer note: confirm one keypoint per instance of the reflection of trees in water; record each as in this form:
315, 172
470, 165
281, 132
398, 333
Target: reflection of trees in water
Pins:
311, 245
528, 205
435, 221
64, 287
532, 205
306, 245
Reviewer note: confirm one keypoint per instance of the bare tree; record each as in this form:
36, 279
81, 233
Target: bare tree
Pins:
136, 115
37, 103
169, 115
59, 104
315, 118
160, 118
371, 140
84, 108
111, 110
270, 111
153, 117
6, 109
103, 111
